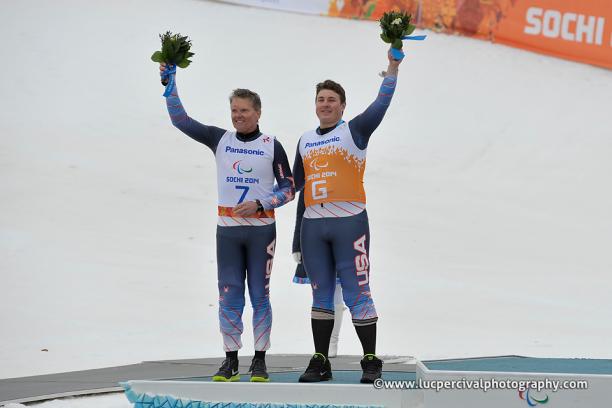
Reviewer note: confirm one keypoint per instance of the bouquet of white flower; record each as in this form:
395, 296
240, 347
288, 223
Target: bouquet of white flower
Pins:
395, 28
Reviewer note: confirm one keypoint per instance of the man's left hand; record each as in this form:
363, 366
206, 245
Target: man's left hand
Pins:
245, 209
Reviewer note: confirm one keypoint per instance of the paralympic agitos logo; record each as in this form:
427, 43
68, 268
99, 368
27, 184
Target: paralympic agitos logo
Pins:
241, 170
317, 165
530, 399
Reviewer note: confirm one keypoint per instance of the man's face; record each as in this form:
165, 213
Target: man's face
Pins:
244, 115
329, 108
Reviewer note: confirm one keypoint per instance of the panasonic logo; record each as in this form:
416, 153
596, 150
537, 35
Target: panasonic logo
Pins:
322, 142
568, 26
229, 149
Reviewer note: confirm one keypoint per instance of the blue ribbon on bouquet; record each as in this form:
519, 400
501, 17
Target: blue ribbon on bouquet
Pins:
399, 54
169, 74
414, 37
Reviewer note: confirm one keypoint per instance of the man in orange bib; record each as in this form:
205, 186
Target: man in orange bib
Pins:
335, 238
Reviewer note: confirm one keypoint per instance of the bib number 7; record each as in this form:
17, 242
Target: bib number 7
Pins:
244, 192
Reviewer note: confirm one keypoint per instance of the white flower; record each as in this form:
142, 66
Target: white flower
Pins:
397, 21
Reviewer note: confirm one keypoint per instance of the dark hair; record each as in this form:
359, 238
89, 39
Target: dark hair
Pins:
332, 86
247, 94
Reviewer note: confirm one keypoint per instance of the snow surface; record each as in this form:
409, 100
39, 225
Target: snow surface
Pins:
488, 187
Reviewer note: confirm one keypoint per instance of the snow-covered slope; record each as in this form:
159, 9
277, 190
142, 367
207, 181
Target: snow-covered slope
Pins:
487, 183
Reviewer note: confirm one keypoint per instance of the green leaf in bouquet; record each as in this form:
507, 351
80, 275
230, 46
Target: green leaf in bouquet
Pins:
175, 49
384, 38
157, 56
397, 44
409, 30
176, 46
167, 50
183, 43
184, 63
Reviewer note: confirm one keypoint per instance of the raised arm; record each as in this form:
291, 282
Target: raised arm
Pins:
364, 124
208, 135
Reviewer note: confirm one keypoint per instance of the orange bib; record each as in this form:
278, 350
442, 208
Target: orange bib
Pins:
333, 167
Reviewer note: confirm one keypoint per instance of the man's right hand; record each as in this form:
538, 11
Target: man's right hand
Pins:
297, 257
162, 68
393, 67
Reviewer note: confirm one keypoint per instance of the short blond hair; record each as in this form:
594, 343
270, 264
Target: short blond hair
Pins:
247, 94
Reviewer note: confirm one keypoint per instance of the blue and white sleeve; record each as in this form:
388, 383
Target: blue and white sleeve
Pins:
208, 135
298, 170
364, 124
284, 191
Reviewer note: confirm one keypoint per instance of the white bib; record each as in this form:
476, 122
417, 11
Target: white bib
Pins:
244, 172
